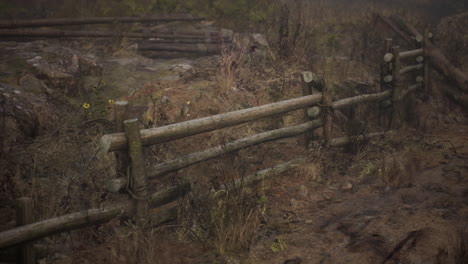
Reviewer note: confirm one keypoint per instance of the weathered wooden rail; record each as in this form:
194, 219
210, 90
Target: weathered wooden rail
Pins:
128, 143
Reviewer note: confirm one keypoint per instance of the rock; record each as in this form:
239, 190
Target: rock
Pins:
346, 186
303, 192
328, 195
29, 83
294, 203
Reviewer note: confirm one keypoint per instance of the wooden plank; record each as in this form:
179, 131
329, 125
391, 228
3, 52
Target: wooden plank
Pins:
118, 141
24, 217
137, 164
18, 23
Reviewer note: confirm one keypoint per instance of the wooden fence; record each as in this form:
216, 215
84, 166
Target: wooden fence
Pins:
160, 40
128, 143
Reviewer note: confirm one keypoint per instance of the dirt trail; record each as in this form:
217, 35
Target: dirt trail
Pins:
363, 219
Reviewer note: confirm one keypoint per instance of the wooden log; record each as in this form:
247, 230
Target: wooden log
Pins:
410, 89
24, 217
307, 79
148, 43
339, 104
169, 195
327, 102
263, 174
137, 164
59, 224
396, 114
84, 218
336, 142
197, 48
164, 216
426, 61
439, 61
395, 28
196, 157
53, 33
411, 53
121, 114
15, 23
118, 141
411, 68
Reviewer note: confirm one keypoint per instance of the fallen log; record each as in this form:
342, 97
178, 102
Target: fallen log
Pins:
197, 157
93, 20
118, 141
53, 33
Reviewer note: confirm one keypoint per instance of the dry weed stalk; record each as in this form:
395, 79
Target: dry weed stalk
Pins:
232, 59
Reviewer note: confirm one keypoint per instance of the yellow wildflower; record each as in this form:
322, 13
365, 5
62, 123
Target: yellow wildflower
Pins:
86, 105
111, 101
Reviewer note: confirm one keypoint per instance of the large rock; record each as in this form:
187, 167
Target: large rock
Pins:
23, 115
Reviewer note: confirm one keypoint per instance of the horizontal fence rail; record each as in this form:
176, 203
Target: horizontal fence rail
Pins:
84, 218
118, 141
17, 23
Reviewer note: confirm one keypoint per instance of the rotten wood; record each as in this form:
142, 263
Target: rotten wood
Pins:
118, 141
17, 23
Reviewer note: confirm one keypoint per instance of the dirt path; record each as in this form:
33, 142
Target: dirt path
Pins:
367, 218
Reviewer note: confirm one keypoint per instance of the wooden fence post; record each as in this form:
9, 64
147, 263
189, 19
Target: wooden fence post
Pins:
397, 111
385, 80
327, 101
308, 81
426, 61
121, 114
24, 217
137, 163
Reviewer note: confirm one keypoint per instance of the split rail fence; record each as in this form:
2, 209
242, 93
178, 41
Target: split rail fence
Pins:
128, 143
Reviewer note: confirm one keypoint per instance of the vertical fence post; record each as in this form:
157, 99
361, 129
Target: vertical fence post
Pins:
385, 80
396, 115
307, 78
121, 114
426, 61
24, 217
327, 101
137, 164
